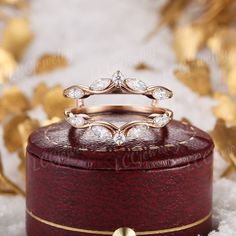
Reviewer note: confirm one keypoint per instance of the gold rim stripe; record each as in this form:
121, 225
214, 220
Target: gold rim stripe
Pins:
87, 231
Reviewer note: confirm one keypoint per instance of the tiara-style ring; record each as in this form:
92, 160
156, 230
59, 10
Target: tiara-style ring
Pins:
83, 117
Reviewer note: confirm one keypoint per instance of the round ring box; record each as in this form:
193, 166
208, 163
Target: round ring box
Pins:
157, 184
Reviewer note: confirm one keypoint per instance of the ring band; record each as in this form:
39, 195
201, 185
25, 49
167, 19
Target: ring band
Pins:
83, 117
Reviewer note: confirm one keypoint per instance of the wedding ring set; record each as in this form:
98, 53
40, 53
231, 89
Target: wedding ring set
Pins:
83, 117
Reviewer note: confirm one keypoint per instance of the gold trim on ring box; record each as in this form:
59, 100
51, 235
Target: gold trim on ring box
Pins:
100, 232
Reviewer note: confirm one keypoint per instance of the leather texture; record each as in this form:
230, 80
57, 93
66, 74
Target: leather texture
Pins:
175, 145
76, 184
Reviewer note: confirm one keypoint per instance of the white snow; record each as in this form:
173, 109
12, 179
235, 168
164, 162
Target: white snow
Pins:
99, 37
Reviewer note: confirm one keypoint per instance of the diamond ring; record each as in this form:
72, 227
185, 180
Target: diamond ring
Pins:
83, 117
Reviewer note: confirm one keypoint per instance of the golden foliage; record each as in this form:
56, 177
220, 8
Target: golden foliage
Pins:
12, 138
226, 108
39, 93
13, 101
16, 36
196, 76
54, 103
6, 185
7, 65
224, 138
143, 66
187, 41
50, 62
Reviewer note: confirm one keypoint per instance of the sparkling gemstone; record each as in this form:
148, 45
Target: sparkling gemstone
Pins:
161, 94
101, 132
100, 84
76, 120
161, 120
118, 78
136, 85
119, 138
137, 131
74, 92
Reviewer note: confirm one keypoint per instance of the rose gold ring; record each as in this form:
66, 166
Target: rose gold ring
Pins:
83, 117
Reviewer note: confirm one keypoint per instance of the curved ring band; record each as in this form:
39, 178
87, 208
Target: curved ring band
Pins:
83, 117
154, 117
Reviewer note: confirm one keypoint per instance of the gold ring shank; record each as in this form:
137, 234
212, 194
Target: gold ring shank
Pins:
119, 109
88, 114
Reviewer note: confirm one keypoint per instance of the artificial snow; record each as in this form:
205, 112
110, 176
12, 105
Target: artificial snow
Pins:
98, 38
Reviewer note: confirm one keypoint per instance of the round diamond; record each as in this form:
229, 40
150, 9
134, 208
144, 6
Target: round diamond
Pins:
74, 92
161, 94
101, 84
118, 78
137, 131
101, 132
136, 85
119, 138
76, 120
161, 120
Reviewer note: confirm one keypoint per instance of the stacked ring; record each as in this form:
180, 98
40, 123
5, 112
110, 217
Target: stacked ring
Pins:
83, 117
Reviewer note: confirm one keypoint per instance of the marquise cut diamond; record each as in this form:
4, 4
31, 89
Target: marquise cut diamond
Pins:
100, 84
74, 92
136, 85
161, 94
161, 120
101, 132
119, 138
76, 120
137, 131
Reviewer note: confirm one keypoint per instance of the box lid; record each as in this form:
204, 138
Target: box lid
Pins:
177, 144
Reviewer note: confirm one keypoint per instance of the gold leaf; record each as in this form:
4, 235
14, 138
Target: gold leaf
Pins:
172, 11
170, 14
54, 102
222, 43
231, 81
223, 37
12, 138
229, 58
6, 185
16, 36
7, 65
50, 62
22, 165
3, 112
218, 13
14, 3
226, 109
51, 121
224, 138
13, 101
143, 66
39, 93
188, 40
25, 129
196, 76
185, 120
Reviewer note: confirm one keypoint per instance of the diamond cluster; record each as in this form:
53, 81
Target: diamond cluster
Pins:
118, 84
119, 81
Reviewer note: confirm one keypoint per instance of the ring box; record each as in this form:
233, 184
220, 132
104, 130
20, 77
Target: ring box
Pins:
156, 184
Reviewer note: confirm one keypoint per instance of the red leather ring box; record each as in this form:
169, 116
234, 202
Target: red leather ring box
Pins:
158, 185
